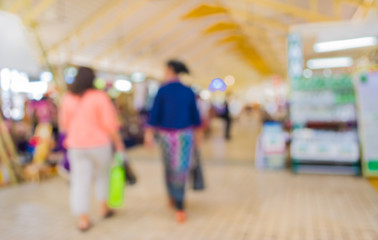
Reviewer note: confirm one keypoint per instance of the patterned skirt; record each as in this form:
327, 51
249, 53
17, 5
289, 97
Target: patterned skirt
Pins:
177, 148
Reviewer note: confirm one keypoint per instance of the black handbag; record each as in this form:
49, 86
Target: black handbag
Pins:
130, 175
196, 172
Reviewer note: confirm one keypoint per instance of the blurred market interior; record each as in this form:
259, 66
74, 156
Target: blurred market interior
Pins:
298, 80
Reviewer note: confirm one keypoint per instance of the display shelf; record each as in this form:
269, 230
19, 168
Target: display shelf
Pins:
326, 169
271, 147
331, 125
324, 130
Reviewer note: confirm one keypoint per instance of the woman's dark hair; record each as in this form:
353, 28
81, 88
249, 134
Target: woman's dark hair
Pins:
177, 66
83, 81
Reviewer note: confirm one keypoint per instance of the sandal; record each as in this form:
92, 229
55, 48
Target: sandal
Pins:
180, 216
109, 214
84, 228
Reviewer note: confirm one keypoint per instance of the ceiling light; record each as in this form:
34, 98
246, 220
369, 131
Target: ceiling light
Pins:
307, 73
345, 44
229, 80
336, 62
46, 76
217, 84
5, 79
205, 94
123, 85
138, 77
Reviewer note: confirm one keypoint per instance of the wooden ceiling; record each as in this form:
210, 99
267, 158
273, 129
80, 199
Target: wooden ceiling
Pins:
244, 38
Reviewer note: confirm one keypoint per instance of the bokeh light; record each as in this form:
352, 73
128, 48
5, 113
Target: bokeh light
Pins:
100, 83
205, 94
123, 85
217, 84
138, 77
229, 80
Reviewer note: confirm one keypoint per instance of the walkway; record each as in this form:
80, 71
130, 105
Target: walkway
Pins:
239, 203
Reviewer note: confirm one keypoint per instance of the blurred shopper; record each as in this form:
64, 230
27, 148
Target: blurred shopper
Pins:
174, 116
90, 121
43, 110
228, 120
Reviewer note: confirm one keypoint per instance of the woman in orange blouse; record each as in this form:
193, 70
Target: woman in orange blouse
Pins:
89, 119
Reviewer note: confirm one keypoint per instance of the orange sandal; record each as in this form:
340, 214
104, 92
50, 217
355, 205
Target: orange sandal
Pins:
181, 216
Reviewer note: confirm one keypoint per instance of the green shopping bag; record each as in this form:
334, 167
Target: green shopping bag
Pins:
117, 183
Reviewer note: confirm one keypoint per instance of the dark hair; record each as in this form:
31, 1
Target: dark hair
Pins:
83, 81
177, 66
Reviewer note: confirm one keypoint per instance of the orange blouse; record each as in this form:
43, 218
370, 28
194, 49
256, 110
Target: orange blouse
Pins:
88, 120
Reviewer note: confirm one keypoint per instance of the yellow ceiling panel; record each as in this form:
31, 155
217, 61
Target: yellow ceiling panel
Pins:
222, 26
205, 10
232, 39
247, 53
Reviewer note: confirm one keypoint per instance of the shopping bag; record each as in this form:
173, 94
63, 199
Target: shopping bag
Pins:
197, 173
117, 182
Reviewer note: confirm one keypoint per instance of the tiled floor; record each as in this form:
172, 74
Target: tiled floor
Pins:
239, 203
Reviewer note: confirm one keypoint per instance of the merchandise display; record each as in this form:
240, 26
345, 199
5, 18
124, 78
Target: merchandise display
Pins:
322, 99
324, 136
271, 147
320, 145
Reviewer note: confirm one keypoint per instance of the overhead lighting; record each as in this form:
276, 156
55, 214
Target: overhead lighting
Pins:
307, 73
46, 76
345, 44
229, 80
138, 77
337, 62
123, 85
205, 94
217, 84
5, 79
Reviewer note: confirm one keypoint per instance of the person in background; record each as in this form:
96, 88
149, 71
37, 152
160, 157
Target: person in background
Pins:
228, 120
175, 118
89, 119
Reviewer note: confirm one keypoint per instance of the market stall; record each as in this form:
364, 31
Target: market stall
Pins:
326, 98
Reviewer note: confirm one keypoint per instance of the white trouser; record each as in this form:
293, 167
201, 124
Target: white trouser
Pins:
87, 165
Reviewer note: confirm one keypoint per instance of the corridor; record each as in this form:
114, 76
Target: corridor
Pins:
240, 202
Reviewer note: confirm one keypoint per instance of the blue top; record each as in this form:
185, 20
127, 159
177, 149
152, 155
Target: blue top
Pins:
174, 108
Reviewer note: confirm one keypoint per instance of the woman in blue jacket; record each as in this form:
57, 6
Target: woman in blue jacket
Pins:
176, 120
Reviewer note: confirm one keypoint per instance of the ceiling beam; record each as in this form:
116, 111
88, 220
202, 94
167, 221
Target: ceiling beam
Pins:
199, 51
111, 25
209, 53
183, 42
233, 13
358, 3
337, 8
314, 6
292, 10
18, 5
136, 56
104, 10
151, 21
154, 37
268, 53
35, 12
160, 50
256, 19
363, 8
